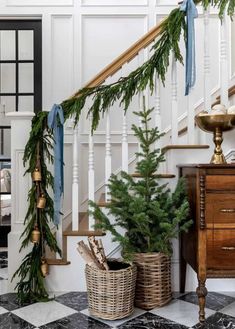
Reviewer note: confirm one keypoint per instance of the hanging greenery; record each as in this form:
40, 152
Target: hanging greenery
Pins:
40, 212
39, 147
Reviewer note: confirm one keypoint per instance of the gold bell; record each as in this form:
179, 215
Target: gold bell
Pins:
41, 202
44, 267
35, 235
36, 175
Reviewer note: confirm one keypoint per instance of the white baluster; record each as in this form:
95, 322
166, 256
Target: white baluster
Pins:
207, 83
141, 99
141, 94
124, 143
157, 115
190, 117
75, 184
108, 156
224, 61
59, 237
91, 176
174, 103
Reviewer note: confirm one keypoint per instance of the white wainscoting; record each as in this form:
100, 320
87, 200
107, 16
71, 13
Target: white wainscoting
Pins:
130, 3
62, 55
39, 3
104, 37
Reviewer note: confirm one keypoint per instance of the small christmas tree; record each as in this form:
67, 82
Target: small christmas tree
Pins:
150, 215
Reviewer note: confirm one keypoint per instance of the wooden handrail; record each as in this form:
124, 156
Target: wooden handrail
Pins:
124, 58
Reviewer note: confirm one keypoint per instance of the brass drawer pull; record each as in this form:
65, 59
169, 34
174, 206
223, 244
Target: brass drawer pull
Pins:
228, 211
228, 248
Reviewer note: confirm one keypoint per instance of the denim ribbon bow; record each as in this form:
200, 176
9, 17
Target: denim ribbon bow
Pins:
55, 121
191, 12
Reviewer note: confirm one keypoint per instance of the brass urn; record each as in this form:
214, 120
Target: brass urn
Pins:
216, 124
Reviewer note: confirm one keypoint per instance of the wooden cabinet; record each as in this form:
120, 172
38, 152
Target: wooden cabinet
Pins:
209, 246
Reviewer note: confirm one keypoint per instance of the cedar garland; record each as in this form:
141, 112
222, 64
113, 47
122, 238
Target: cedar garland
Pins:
39, 146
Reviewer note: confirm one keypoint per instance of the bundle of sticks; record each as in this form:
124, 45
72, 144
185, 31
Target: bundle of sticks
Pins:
93, 254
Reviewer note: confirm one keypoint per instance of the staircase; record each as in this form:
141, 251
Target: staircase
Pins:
183, 143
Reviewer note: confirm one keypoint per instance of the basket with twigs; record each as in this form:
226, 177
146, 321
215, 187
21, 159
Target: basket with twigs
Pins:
110, 282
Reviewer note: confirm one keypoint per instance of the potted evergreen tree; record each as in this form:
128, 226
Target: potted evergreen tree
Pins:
150, 215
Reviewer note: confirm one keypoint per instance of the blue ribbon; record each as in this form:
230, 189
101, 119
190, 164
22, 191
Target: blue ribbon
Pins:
191, 12
55, 121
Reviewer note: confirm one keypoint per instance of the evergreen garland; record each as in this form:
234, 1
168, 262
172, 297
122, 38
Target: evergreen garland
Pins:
31, 286
138, 80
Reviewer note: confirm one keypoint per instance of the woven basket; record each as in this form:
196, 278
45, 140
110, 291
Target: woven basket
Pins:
153, 287
111, 293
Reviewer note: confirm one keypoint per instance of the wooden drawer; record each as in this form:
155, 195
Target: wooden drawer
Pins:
220, 208
220, 182
221, 249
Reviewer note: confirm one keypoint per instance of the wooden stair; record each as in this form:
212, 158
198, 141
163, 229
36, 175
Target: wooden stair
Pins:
160, 176
184, 147
83, 231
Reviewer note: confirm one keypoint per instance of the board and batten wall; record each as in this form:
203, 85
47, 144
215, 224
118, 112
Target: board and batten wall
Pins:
80, 37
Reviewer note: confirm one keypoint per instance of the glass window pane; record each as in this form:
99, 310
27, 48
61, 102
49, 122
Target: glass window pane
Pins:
7, 104
5, 209
25, 45
7, 43
7, 72
26, 103
26, 78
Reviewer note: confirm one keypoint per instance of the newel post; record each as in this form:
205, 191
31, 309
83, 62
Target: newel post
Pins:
20, 185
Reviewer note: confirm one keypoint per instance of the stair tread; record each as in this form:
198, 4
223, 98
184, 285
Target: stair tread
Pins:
136, 175
52, 261
83, 233
184, 147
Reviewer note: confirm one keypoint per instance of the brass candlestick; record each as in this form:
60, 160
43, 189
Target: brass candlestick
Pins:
217, 124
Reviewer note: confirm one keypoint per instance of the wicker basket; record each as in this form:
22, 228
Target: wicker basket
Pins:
153, 287
111, 293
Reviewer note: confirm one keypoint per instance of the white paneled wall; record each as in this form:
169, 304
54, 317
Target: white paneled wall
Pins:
37, 3
79, 38
62, 56
106, 36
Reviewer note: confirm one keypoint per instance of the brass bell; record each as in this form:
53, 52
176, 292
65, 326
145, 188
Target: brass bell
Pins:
44, 267
35, 235
36, 175
41, 203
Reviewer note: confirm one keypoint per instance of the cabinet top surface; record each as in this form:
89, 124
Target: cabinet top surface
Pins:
207, 165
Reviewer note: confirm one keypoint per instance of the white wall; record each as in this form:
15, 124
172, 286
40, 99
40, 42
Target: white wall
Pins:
80, 37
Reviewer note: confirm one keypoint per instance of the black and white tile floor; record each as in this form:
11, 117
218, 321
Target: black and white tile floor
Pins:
70, 311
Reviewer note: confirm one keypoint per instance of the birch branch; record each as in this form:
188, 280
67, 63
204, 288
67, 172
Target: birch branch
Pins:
98, 252
88, 256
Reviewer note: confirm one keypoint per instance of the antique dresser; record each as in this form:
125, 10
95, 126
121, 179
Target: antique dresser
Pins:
209, 246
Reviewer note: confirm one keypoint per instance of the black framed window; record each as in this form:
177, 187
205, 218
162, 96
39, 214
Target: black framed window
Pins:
21, 65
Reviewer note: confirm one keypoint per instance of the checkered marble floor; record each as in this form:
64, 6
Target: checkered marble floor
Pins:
70, 311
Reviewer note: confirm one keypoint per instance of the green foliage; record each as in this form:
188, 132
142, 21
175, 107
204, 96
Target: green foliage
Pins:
223, 6
31, 285
31, 282
149, 214
125, 88
31, 288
